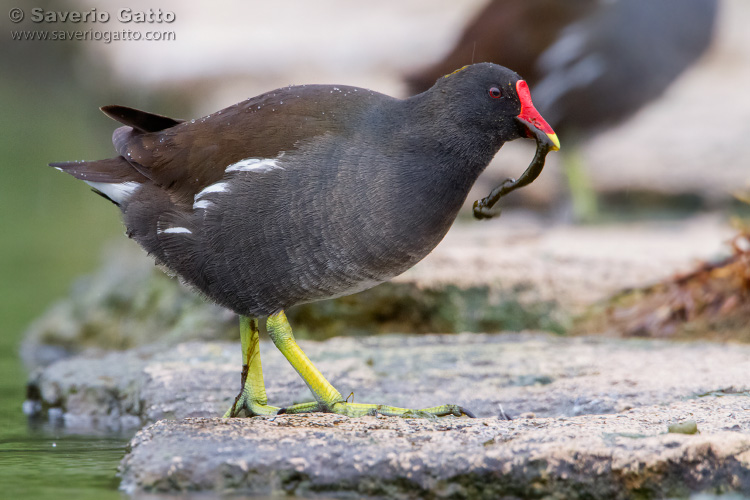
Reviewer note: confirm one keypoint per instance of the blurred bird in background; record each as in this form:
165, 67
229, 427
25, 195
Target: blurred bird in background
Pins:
591, 64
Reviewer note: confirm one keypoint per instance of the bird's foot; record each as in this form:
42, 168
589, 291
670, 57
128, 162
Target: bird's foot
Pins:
361, 410
327, 398
251, 407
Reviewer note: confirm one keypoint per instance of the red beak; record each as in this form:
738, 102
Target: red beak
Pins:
529, 116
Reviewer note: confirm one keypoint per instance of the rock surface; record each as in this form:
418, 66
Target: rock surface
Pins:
548, 375
612, 456
590, 417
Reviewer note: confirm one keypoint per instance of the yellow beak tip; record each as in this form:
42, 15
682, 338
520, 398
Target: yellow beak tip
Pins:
555, 141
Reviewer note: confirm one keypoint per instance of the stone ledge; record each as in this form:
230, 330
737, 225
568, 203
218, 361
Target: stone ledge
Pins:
547, 375
591, 456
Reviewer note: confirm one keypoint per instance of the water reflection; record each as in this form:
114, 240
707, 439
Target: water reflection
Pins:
41, 463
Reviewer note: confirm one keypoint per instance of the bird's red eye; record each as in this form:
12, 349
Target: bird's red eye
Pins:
495, 92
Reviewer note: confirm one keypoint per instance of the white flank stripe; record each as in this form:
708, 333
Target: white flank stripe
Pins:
116, 192
204, 204
219, 187
260, 165
176, 230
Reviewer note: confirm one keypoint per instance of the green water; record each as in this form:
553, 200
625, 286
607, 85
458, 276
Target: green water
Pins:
51, 230
47, 464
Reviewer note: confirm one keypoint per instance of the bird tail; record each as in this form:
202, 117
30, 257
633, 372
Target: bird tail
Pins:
114, 178
140, 121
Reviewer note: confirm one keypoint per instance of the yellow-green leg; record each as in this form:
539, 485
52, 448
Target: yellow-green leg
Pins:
327, 398
252, 397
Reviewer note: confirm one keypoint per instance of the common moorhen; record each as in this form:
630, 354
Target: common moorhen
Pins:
307, 193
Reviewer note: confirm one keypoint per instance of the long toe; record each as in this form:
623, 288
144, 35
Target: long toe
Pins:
363, 409
360, 409
250, 408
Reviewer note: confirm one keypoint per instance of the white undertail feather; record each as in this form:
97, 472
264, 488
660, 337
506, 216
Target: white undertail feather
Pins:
117, 192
